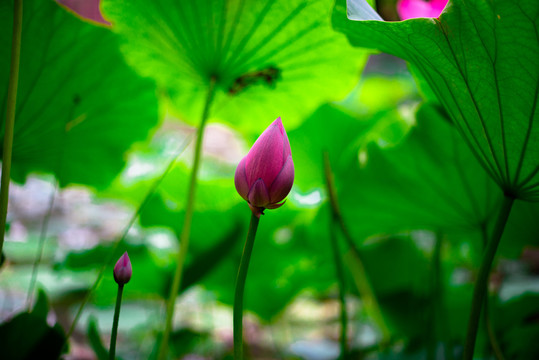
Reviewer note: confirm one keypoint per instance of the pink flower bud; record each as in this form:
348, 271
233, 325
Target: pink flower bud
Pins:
265, 175
408, 9
123, 270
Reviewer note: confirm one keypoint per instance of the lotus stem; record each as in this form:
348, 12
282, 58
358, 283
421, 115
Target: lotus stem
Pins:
240, 287
112, 351
41, 245
353, 258
10, 116
186, 228
339, 267
480, 287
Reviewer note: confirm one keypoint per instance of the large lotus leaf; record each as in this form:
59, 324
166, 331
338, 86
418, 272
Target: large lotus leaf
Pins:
429, 180
481, 60
79, 106
269, 58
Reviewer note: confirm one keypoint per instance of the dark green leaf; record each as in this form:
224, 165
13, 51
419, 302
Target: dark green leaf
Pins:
40, 341
480, 59
429, 181
41, 307
79, 106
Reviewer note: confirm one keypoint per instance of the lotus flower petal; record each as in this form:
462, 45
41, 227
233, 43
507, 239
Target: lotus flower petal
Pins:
258, 195
275, 206
283, 182
409, 9
266, 157
240, 180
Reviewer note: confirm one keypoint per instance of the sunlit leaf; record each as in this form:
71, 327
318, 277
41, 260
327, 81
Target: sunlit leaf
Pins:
480, 59
79, 106
269, 58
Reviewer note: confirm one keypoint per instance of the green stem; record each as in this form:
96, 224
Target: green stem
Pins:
240, 287
491, 333
186, 229
339, 267
10, 116
482, 277
112, 351
112, 252
342, 287
354, 257
488, 323
39, 255
433, 319
47, 217
440, 313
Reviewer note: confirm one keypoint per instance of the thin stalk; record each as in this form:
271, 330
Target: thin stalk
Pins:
432, 334
112, 351
240, 287
342, 287
482, 277
439, 298
186, 229
339, 267
41, 245
488, 322
492, 334
132, 220
10, 116
354, 257
47, 217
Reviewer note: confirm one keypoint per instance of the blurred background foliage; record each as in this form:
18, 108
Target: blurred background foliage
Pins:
103, 135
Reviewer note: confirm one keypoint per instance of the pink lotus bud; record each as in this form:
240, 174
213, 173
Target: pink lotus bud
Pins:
265, 176
123, 270
408, 9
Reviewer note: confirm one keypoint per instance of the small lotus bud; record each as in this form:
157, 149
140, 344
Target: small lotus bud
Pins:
265, 175
123, 270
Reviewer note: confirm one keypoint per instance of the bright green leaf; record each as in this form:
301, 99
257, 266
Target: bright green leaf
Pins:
269, 58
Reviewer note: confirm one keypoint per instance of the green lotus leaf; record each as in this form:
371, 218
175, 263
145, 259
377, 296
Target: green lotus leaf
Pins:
481, 60
268, 58
79, 105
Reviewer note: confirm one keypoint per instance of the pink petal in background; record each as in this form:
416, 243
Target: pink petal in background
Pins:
87, 9
409, 9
